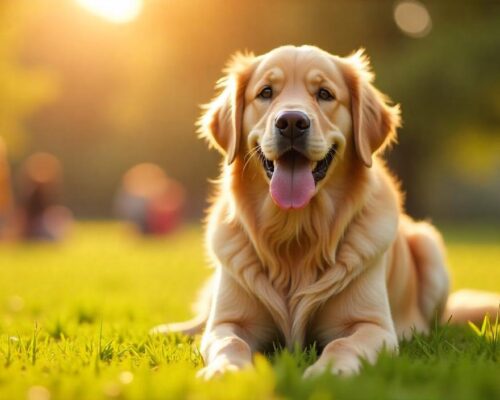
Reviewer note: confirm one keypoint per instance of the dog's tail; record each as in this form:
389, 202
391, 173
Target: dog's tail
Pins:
471, 305
195, 325
190, 328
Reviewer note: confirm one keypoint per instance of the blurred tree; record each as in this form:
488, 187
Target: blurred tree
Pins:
448, 85
22, 89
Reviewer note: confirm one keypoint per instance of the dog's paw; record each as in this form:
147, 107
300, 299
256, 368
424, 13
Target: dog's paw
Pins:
348, 367
314, 370
216, 368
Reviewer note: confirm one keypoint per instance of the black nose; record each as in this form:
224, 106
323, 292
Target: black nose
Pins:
292, 124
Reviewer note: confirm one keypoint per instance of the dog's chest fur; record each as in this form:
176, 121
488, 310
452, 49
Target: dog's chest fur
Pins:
293, 258
286, 260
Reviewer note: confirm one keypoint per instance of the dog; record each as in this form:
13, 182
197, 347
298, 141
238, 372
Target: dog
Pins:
307, 231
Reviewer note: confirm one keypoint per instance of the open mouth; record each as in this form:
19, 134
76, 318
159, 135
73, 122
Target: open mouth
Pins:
319, 171
294, 177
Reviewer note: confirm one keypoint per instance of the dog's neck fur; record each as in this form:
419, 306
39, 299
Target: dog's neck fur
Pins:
289, 243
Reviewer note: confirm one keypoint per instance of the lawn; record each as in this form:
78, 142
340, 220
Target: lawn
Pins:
74, 321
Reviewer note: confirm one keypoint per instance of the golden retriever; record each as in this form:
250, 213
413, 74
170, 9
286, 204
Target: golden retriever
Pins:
307, 231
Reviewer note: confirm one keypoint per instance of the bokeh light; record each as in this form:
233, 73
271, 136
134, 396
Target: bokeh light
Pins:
118, 11
413, 18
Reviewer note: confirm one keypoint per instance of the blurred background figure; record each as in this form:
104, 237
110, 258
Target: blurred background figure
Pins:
41, 216
5, 192
150, 200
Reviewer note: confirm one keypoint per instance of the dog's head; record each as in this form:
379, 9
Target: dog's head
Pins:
299, 110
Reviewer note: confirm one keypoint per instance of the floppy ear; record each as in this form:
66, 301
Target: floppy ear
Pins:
374, 121
221, 121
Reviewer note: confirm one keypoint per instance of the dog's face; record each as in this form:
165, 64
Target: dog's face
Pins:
298, 109
297, 118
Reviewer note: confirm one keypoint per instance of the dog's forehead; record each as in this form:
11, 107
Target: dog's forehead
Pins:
306, 63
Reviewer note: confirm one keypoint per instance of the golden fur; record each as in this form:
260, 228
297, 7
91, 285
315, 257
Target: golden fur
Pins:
350, 270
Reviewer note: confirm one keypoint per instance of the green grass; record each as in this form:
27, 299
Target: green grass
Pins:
74, 321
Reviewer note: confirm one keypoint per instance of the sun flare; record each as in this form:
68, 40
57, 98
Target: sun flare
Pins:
118, 11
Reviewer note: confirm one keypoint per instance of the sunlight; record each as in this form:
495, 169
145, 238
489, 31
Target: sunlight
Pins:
118, 11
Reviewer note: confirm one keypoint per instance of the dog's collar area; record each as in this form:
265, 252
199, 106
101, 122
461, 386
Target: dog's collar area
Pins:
319, 171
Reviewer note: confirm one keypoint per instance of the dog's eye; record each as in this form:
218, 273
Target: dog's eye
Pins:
266, 93
324, 94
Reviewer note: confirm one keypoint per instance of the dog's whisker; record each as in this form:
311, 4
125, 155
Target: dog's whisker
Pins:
251, 153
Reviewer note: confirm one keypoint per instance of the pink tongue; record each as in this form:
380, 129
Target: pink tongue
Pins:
292, 184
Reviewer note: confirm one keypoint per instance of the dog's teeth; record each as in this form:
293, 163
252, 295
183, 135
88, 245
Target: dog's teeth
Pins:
313, 165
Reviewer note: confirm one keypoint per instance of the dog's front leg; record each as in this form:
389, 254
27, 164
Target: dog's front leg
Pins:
355, 324
237, 326
343, 356
224, 348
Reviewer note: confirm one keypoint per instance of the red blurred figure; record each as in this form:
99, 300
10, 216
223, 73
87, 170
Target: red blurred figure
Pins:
41, 215
6, 203
149, 199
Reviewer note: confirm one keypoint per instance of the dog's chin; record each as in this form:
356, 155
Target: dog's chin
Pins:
293, 178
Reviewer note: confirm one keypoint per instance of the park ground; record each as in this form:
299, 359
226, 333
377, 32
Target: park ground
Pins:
74, 321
